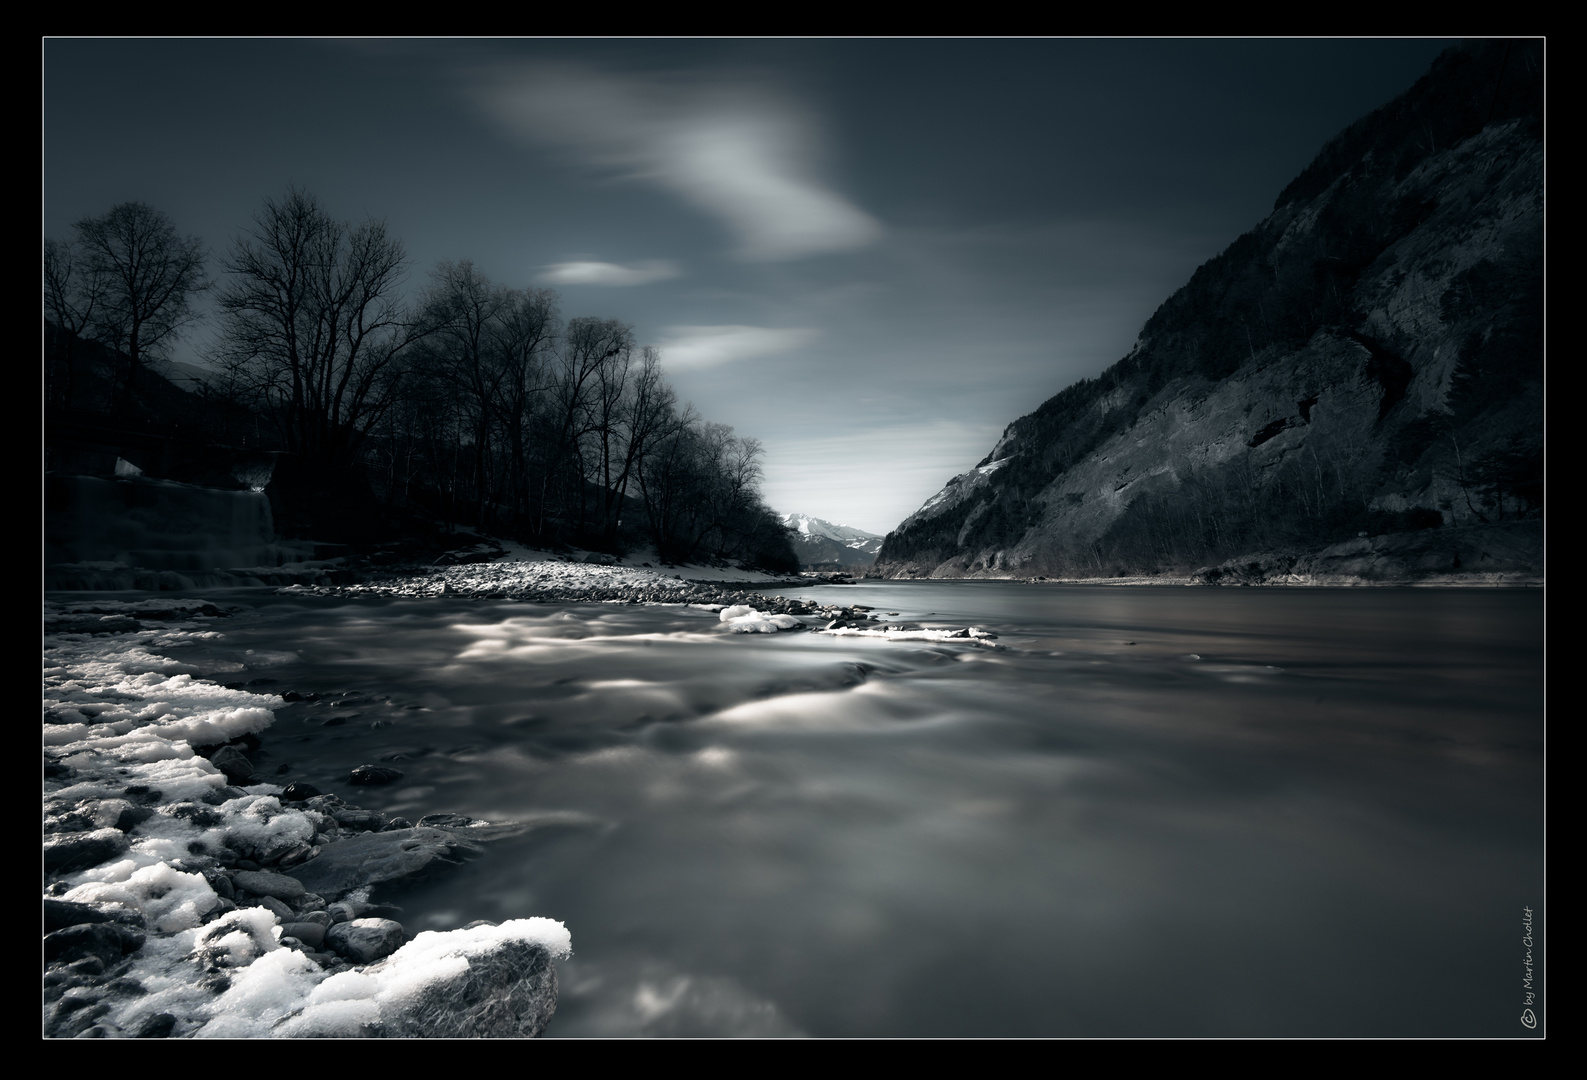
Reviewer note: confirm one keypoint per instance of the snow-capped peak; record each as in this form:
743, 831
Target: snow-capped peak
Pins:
814, 527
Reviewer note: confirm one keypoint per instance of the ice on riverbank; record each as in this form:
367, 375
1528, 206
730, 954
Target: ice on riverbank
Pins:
743, 619
148, 930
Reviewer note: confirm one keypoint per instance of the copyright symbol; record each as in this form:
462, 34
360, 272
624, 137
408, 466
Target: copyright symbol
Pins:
1527, 1019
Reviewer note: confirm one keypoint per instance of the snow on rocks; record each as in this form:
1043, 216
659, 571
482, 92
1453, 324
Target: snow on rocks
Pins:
181, 904
553, 581
484, 981
743, 619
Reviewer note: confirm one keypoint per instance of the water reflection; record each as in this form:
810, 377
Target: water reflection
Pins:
1155, 812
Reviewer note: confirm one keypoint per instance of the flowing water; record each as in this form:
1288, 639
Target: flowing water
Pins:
1152, 811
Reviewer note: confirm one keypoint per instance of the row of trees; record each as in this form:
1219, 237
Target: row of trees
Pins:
476, 402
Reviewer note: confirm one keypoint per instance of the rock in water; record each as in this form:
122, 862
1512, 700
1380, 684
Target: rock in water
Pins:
380, 858
374, 774
107, 941
234, 763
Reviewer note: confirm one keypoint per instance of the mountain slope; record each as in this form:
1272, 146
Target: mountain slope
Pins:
824, 545
1368, 359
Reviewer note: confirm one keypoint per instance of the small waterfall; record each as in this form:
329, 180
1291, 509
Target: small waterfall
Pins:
133, 532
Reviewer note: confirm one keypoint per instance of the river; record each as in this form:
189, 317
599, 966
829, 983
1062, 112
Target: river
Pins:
1147, 812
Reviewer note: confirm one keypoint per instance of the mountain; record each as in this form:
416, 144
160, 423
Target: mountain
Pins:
1357, 379
821, 545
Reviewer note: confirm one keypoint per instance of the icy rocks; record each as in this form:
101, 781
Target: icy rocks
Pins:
364, 941
743, 619
167, 912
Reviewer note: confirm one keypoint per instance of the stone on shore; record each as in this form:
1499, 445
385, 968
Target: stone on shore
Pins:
59, 914
264, 883
363, 941
311, 934
106, 941
64, 853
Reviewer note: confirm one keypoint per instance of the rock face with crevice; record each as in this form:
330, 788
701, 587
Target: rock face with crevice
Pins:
1367, 361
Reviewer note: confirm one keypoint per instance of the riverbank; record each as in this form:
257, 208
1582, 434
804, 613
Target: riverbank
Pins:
186, 896
1498, 554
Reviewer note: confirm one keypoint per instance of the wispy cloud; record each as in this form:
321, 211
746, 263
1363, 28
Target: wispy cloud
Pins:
605, 273
692, 347
733, 152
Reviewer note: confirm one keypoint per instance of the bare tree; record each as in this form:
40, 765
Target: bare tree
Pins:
649, 414
149, 276
73, 301
525, 333
591, 350
463, 309
314, 324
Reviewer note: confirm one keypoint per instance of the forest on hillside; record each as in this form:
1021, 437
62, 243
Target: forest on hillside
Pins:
380, 406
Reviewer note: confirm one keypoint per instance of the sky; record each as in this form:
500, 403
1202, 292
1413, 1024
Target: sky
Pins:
869, 254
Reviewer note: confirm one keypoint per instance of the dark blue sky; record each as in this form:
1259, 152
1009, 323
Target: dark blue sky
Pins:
872, 255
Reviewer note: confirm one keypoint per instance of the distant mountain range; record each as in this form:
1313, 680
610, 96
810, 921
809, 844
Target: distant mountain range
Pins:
1352, 389
822, 545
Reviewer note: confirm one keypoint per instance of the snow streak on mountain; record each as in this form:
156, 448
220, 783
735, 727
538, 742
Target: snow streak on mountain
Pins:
822, 545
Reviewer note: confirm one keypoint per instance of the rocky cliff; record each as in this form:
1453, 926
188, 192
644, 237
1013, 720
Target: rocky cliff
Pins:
1367, 361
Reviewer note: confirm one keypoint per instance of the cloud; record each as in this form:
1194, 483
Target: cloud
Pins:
605, 273
730, 151
692, 347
